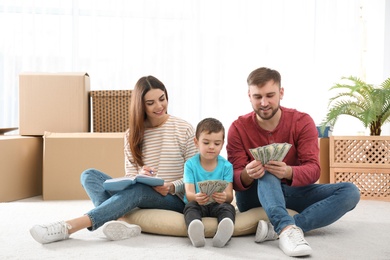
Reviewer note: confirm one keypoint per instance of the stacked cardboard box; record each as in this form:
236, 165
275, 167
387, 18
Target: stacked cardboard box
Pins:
55, 144
67, 155
20, 167
55, 102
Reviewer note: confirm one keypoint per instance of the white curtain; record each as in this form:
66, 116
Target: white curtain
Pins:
202, 50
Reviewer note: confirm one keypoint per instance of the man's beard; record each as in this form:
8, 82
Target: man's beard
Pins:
274, 111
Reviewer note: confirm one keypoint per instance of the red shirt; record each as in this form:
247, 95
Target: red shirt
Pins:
295, 128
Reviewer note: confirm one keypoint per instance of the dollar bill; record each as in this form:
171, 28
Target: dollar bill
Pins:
277, 148
211, 186
268, 152
271, 152
283, 152
260, 150
255, 154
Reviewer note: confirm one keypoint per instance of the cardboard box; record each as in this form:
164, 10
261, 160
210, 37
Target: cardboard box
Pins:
55, 102
20, 167
67, 155
323, 144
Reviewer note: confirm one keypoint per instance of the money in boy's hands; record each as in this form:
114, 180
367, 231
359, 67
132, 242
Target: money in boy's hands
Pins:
211, 186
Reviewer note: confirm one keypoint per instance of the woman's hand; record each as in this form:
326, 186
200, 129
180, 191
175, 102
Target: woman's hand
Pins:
163, 189
146, 170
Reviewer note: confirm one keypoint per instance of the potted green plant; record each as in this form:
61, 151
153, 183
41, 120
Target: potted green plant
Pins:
362, 160
366, 102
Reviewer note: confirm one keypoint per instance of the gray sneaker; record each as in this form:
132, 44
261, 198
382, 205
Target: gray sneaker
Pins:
224, 232
265, 231
50, 233
118, 230
292, 242
196, 233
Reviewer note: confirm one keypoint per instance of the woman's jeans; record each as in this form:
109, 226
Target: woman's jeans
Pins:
318, 205
113, 205
194, 211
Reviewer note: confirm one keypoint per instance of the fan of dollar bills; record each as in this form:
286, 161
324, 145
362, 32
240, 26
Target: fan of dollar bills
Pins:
211, 186
271, 152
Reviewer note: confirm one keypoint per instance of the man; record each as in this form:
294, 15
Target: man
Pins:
289, 181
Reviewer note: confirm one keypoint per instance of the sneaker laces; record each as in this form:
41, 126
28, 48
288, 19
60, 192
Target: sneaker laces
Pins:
295, 235
57, 228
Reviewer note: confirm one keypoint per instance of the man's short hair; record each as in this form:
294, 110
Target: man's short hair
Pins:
259, 77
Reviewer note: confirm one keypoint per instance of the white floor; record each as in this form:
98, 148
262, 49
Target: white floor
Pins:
363, 233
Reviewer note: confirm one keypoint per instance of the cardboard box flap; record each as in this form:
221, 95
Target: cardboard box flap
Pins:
54, 74
83, 135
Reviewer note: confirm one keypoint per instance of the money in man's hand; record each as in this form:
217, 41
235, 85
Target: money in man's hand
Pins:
271, 152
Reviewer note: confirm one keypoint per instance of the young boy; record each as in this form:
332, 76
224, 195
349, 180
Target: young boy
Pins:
209, 165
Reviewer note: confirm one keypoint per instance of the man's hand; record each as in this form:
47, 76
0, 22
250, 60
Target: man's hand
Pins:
279, 169
255, 170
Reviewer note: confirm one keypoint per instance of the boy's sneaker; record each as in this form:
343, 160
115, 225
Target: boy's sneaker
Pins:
196, 233
118, 230
264, 232
292, 242
50, 233
224, 232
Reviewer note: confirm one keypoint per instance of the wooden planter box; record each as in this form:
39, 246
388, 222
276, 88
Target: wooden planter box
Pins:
364, 161
323, 144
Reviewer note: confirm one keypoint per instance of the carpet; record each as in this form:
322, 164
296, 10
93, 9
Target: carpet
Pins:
363, 233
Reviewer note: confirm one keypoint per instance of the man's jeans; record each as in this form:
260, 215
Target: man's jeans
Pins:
113, 205
318, 205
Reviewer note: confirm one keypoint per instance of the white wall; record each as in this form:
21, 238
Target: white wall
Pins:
201, 51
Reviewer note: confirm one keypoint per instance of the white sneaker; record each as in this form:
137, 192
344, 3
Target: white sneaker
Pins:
50, 233
265, 231
292, 242
224, 232
118, 230
196, 233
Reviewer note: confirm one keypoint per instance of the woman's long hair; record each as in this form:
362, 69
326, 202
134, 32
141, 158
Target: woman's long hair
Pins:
138, 115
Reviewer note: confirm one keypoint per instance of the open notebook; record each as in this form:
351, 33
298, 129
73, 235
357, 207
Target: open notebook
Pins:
121, 183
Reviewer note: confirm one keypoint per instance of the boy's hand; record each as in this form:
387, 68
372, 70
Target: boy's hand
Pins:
201, 198
219, 197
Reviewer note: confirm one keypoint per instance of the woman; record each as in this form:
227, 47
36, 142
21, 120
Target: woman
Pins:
156, 143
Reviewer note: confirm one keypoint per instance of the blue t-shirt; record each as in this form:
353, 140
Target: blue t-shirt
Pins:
194, 172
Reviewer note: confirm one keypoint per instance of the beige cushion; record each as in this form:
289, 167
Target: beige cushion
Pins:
171, 223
